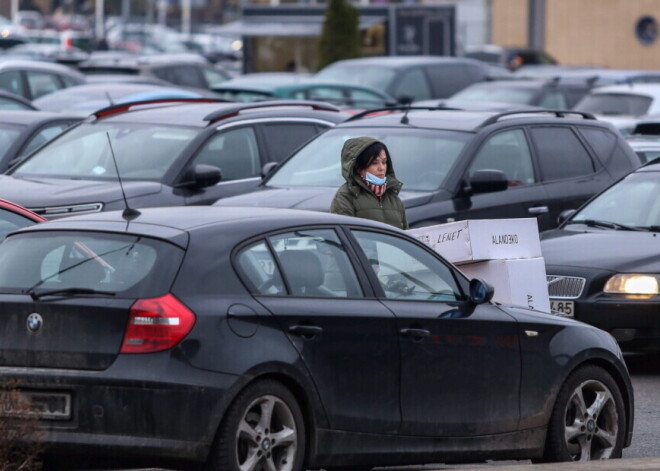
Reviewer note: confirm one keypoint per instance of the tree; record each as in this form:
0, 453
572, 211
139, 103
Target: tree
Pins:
340, 37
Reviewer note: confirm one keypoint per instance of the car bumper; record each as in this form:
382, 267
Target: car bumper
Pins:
139, 407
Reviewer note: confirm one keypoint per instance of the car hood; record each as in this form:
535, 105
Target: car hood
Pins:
316, 199
620, 251
36, 192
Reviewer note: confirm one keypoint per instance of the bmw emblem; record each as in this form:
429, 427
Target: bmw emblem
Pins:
34, 322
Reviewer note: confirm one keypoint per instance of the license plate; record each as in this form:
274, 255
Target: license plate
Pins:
45, 405
563, 307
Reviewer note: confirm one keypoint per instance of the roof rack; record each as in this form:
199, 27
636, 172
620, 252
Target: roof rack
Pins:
228, 111
123, 107
399, 108
557, 113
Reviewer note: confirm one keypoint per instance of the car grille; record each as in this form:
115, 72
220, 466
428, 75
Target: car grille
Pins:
567, 287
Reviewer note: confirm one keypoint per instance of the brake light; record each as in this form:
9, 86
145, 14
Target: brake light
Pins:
157, 324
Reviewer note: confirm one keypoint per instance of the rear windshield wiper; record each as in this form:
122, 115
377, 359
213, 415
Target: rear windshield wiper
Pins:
70, 292
606, 224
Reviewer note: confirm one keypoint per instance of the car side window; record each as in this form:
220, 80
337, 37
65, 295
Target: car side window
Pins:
258, 265
11, 81
508, 152
234, 152
560, 152
407, 271
413, 83
364, 98
332, 95
284, 138
554, 99
448, 79
315, 264
186, 76
213, 77
42, 83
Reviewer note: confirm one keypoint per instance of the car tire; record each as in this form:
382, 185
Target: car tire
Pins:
265, 425
588, 420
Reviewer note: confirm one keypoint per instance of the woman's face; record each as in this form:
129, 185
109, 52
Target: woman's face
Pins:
378, 166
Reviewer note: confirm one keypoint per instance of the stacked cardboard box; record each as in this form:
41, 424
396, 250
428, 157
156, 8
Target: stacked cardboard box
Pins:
506, 253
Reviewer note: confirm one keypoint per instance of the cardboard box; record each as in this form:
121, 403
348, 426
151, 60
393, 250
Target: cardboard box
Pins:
483, 239
520, 282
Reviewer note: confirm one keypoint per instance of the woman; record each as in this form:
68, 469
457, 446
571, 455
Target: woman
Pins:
371, 190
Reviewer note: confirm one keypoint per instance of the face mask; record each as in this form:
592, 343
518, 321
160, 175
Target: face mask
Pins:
374, 180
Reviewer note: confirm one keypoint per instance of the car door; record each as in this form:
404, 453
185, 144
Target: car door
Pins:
570, 175
460, 363
346, 338
509, 152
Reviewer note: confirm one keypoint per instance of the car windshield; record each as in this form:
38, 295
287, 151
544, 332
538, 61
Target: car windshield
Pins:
142, 152
614, 104
122, 264
518, 95
633, 202
8, 135
365, 75
421, 157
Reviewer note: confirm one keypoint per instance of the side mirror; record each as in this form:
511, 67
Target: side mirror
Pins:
206, 175
565, 215
268, 168
480, 291
488, 181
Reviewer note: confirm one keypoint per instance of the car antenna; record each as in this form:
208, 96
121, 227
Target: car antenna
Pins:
129, 213
107, 95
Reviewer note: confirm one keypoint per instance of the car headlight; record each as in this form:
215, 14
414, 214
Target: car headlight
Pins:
633, 283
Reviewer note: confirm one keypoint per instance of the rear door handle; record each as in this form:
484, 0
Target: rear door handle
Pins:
415, 334
538, 210
305, 331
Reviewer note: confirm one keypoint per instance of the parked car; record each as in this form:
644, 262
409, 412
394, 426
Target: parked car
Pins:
168, 153
33, 79
266, 339
458, 165
187, 70
556, 94
21, 132
510, 57
622, 105
14, 217
601, 262
339, 94
408, 78
11, 101
645, 138
88, 98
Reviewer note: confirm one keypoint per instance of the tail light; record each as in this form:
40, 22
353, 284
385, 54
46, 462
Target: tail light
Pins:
157, 324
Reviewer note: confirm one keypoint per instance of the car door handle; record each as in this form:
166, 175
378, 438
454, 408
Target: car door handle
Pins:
415, 334
538, 210
305, 331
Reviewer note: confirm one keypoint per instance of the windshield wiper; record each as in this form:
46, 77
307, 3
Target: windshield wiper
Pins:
607, 224
70, 292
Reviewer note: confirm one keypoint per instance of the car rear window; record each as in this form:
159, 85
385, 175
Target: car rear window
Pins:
127, 265
614, 104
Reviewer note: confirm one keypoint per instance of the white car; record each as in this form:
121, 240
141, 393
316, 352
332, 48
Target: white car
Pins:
622, 105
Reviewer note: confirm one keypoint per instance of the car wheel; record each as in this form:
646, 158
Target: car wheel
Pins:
262, 430
588, 420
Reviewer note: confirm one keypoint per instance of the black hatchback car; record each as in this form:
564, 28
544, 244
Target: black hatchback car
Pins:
167, 152
458, 165
602, 263
251, 338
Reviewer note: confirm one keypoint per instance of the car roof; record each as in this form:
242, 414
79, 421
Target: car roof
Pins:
32, 116
461, 120
170, 222
649, 89
39, 65
395, 62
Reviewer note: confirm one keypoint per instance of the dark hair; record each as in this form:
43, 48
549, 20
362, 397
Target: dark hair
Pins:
368, 155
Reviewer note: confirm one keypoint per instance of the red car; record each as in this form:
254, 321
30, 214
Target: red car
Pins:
14, 217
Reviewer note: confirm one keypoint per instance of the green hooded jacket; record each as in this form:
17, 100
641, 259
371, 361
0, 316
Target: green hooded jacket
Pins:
354, 198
